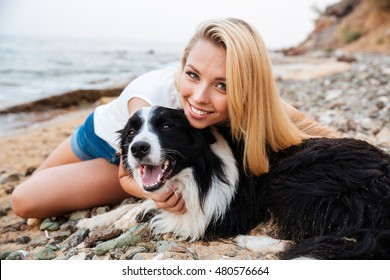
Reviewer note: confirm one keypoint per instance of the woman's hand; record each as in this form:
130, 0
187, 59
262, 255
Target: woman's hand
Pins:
170, 201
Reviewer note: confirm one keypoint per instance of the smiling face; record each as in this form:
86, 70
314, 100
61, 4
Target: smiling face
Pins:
203, 85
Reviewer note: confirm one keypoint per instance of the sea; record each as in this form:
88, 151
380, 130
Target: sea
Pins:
35, 68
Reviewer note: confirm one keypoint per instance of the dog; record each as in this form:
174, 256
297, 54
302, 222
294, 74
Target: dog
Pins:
324, 198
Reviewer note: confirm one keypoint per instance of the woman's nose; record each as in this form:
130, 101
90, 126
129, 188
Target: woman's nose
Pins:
201, 94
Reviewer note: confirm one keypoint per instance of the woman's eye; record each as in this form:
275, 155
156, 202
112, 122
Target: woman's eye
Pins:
192, 75
222, 86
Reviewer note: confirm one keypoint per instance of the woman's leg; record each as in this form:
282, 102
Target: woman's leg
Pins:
63, 154
61, 189
63, 183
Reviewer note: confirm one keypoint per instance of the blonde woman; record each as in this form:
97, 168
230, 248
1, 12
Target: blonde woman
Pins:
225, 78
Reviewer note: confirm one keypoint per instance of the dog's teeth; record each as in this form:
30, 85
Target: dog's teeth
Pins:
165, 165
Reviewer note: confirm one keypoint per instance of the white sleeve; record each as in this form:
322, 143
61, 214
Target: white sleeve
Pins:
155, 87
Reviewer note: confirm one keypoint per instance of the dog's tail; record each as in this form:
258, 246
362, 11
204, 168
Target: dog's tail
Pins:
349, 244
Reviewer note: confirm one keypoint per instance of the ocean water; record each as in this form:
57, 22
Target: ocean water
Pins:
34, 68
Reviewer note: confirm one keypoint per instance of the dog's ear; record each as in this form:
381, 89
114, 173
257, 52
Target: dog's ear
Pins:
122, 134
195, 133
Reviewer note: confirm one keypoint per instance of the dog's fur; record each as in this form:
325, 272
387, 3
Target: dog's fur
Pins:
329, 197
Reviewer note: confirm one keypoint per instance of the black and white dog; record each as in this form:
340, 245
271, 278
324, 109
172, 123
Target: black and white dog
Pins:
326, 198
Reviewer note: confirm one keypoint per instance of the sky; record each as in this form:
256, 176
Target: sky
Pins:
282, 23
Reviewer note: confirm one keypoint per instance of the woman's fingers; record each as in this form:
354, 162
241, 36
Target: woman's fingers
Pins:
160, 198
170, 201
175, 204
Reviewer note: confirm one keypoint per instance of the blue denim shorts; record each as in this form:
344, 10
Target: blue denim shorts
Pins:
87, 145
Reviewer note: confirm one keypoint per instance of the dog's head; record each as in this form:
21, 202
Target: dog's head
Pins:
158, 142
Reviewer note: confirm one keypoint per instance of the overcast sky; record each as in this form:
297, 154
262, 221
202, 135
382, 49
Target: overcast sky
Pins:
282, 23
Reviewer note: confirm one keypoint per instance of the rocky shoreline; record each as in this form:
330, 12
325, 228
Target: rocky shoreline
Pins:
355, 102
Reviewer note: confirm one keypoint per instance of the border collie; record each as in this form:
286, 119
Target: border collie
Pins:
324, 199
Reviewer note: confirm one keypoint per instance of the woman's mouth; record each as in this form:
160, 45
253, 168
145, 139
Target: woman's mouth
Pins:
198, 112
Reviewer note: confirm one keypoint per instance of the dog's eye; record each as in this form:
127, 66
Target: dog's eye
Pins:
132, 132
166, 126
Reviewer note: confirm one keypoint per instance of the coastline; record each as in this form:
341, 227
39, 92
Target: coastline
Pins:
355, 102
19, 117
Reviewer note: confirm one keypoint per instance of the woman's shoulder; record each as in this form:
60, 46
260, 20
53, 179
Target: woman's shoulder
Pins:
156, 87
159, 76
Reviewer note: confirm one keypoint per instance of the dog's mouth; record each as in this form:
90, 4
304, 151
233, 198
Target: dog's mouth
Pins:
154, 176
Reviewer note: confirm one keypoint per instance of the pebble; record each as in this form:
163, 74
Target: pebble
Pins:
78, 215
130, 238
383, 137
130, 253
99, 210
17, 255
69, 226
80, 257
4, 255
32, 222
76, 238
101, 235
60, 235
45, 254
49, 224
163, 246
23, 239
11, 178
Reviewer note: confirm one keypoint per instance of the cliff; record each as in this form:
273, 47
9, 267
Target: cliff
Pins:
352, 26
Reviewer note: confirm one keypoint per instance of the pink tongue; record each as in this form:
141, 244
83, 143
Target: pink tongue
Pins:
150, 175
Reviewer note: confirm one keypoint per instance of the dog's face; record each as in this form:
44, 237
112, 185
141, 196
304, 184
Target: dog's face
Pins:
157, 143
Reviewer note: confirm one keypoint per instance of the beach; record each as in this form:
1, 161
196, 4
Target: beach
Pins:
352, 98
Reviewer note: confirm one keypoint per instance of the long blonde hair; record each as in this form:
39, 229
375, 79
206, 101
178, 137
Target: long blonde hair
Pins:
255, 109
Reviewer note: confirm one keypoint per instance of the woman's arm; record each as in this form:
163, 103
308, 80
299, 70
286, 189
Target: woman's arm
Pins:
307, 125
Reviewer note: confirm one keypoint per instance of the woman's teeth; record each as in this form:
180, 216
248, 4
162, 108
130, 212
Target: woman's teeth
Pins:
198, 112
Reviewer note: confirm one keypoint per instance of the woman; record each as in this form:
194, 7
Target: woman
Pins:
225, 78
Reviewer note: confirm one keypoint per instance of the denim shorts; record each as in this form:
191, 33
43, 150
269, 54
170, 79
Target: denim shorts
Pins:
87, 145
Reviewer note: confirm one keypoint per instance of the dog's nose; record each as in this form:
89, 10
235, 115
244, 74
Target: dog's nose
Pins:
140, 149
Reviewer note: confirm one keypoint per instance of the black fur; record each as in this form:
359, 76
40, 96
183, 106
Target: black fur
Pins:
331, 197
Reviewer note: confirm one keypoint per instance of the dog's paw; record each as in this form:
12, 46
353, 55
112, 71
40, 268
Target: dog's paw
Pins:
261, 244
130, 218
105, 220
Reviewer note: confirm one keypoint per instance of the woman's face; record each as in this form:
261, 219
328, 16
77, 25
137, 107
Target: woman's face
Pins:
203, 85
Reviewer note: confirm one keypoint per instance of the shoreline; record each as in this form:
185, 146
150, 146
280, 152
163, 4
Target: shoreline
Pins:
31, 114
64, 100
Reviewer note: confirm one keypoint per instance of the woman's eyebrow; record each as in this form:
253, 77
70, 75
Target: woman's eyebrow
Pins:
196, 70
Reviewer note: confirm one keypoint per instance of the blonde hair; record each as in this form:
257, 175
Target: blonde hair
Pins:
256, 113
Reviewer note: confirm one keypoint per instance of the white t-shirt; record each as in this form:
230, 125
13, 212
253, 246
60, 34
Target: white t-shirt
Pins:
156, 88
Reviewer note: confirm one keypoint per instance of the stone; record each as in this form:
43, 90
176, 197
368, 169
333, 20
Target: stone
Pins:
101, 235
45, 254
49, 224
130, 238
384, 136
23, 239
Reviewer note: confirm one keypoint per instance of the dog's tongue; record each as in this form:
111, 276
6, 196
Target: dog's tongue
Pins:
151, 175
